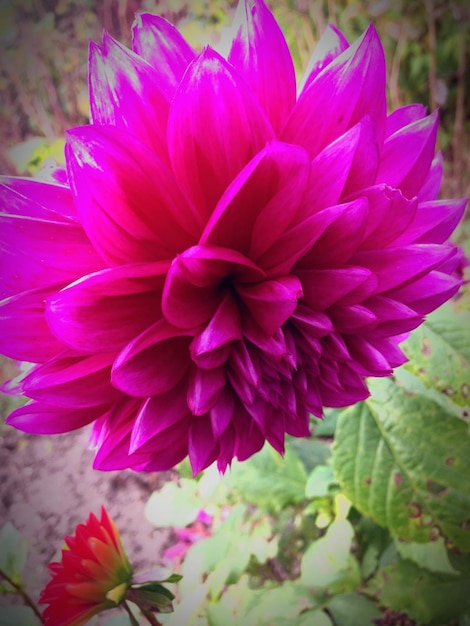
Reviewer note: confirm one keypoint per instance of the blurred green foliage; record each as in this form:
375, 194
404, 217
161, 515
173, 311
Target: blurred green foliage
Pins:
44, 48
364, 523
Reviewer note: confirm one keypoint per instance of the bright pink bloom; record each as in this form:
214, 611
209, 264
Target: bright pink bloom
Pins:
93, 575
229, 257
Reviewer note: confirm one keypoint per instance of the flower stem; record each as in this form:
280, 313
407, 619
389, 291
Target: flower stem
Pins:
20, 591
134, 622
150, 617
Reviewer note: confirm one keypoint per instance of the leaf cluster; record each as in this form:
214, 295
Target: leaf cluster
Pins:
365, 522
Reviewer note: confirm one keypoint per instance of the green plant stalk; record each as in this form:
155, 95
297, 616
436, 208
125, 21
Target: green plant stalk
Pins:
134, 622
147, 614
20, 591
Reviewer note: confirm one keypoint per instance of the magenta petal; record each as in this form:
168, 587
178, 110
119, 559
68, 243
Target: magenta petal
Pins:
369, 360
349, 88
248, 438
193, 288
341, 238
404, 116
125, 92
322, 288
396, 266
37, 252
127, 199
202, 446
348, 163
40, 418
352, 318
271, 302
26, 197
204, 389
314, 323
24, 333
166, 458
257, 201
104, 311
157, 415
294, 245
393, 316
222, 412
432, 184
330, 45
215, 127
223, 327
153, 363
260, 54
433, 222
245, 359
427, 293
407, 156
390, 214
111, 437
161, 45
71, 380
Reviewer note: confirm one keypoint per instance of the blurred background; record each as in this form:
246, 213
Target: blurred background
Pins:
44, 50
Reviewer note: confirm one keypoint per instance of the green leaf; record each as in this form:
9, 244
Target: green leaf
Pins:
427, 597
373, 541
326, 427
404, 460
352, 609
328, 561
309, 618
13, 552
241, 605
439, 353
431, 555
270, 481
174, 504
15, 615
311, 451
151, 596
319, 482
222, 559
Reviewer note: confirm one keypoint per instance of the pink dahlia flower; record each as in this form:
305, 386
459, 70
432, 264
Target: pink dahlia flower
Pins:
228, 256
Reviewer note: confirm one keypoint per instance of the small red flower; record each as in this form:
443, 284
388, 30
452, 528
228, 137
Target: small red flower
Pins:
93, 575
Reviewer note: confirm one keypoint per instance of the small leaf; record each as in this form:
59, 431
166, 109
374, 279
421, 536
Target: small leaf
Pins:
319, 482
266, 606
352, 609
310, 450
326, 427
439, 353
174, 504
270, 481
431, 555
117, 594
151, 596
427, 597
373, 541
309, 618
328, 561
13, 552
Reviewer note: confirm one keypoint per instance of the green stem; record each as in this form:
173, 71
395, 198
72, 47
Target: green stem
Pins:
150, 617
20, 591
134, 622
